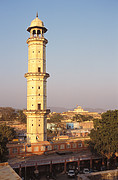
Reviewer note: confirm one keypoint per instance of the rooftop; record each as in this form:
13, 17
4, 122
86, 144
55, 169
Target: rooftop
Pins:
37, 23
7, 173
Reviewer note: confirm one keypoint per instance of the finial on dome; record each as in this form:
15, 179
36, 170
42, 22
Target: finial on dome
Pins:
37, 14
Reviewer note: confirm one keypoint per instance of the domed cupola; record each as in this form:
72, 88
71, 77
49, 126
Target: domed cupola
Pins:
36, 28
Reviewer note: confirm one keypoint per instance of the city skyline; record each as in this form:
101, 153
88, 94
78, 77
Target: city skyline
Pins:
81, 53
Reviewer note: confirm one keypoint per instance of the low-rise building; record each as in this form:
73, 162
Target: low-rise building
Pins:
7, 173
24, 149
78, 132
51, 126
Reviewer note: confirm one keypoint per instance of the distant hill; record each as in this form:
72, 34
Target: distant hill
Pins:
62, 109
98, 110
58, 109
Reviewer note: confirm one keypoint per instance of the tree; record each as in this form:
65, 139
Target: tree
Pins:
104, 136
56, 118
81, 118
7, 132
50, 133
21, 116
8, 113
76, 117
3, 148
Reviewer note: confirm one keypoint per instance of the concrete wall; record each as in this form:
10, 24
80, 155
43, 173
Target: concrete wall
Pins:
103, 175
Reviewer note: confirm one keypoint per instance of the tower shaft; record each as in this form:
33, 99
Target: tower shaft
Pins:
36, 85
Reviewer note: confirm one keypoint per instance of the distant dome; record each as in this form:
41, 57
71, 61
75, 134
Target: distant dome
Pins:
37, 23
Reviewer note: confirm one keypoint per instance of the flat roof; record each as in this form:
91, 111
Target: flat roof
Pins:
7, 173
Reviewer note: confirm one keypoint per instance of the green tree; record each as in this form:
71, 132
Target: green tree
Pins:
3, 149
55, 118
50, 133
104, 136
8, 113
7, 132
77, 118
21, 116
81, 118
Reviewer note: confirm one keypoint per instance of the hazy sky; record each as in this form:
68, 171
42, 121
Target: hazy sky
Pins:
82, 53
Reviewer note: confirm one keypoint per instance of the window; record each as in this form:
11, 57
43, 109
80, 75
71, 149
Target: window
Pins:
32, 124
74, 145
39, 124
34, 33
29, 149
32, 51
38, 87
32, 104
38, 32
42, 148
32, 87
36, 148
80, 144
39, 94
14, 150
68, 146
39, 106
62, 146
22, 150
39, 69
49, 147
56, 147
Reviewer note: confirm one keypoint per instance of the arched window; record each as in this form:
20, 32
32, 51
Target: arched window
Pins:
38, 32
34, 33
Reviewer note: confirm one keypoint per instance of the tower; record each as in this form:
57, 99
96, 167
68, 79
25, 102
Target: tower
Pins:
36, 83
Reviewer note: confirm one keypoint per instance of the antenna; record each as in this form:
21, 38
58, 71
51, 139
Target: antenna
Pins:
37, 14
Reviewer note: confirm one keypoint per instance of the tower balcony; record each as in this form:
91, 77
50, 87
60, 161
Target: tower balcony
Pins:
47, 111
33, 38
44, 75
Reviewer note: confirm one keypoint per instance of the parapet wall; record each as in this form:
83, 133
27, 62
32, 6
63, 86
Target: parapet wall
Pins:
103, 175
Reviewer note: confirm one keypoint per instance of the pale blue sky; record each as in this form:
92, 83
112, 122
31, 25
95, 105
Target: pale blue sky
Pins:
82, 53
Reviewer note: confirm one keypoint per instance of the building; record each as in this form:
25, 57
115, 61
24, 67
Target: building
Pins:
73, 125
60, 143
78, 110
7, 173
78, 132
51, 126
36, 83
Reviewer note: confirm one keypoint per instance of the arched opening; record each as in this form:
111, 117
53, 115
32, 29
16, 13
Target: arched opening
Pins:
39, 33
34, 33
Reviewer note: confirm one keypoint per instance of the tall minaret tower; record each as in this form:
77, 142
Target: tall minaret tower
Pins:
36, 83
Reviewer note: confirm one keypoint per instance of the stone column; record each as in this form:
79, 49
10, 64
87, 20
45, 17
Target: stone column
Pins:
65, 167
50, 166
91, 163
78, 162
